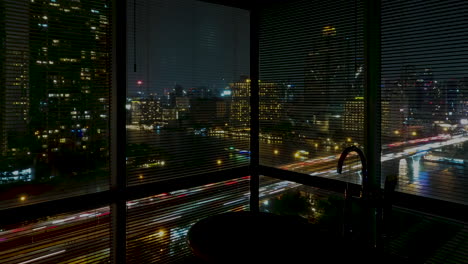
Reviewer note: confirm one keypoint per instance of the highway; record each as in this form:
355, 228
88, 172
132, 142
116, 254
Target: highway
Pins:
86, 235
326, 166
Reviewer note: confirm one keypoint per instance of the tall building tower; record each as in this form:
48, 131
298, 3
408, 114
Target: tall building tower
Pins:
454, 101
14, 74
69, 77
332, 76
321, 66
394, 107
407, 84
353, 117
270, 108
425, 98
240, 104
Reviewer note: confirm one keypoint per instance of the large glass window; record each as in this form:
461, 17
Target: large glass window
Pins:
54, 92
188, 121
71, 237
188, 89
424, 97
311, 85
157, 225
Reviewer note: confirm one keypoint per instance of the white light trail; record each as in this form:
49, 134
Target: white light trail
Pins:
42, 257
63, 220
235, 201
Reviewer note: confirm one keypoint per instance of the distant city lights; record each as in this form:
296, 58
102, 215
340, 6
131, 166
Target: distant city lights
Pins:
226, 93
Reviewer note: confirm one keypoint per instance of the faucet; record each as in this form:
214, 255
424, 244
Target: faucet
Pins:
349, 227
365, 177
370, 197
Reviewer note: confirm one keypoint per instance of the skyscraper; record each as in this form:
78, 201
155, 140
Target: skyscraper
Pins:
14, 73
55, 84
332, 76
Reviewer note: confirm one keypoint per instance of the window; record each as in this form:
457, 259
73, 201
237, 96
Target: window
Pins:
311, 85
424, 88
188, 114
188, 91
42, 127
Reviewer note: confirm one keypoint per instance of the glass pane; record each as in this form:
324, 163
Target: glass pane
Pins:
157, 225
311, 89
54, 91
187, 99
74, 237
424, 98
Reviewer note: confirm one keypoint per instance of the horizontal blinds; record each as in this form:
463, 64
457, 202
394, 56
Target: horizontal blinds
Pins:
311, 85
157, 226
188, 89
54, 93
73, 237
424, 89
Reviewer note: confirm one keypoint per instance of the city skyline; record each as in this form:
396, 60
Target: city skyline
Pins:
84, 181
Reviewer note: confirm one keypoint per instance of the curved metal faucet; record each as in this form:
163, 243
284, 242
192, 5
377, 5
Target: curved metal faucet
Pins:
347, 209
365, 177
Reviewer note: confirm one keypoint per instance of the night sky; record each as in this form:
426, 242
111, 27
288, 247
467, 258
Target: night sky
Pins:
186, 42
423, 35
193, 43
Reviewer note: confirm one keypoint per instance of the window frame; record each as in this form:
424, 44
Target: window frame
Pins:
119, 192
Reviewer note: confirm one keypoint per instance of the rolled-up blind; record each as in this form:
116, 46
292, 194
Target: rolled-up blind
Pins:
54, 96
424, 89
311, 84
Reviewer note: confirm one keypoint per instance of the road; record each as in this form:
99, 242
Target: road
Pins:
86, 235
163, 219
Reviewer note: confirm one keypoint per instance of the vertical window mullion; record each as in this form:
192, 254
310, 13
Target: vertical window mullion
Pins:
118, 132
372, 103
254, 110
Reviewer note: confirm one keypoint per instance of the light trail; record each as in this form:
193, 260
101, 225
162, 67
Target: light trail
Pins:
42, 257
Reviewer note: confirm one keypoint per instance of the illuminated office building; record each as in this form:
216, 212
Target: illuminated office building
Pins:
14, 76
270, 108
353, 119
